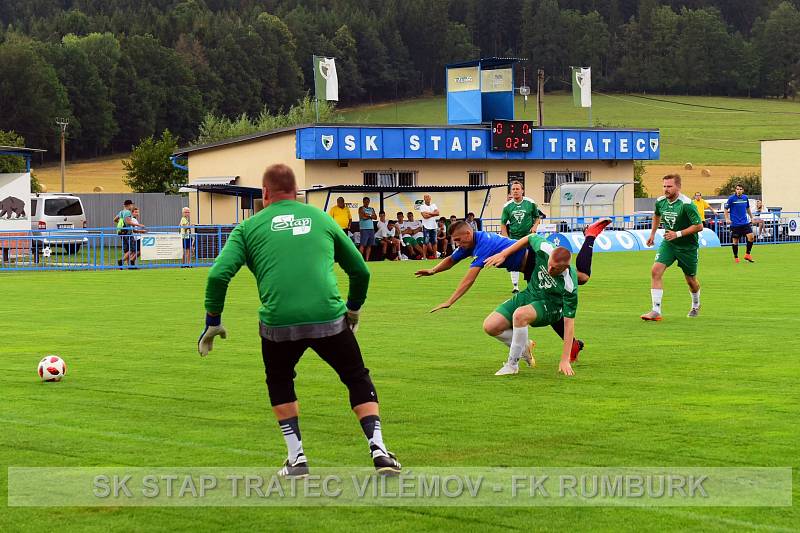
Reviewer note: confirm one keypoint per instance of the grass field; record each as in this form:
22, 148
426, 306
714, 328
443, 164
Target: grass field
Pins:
720, 390
695, 133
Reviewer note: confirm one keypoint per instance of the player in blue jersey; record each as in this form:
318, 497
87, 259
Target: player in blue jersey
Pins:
738, 217
482, 245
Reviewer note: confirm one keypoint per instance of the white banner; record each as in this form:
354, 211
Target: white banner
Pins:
794, 227
162, 246
15, 201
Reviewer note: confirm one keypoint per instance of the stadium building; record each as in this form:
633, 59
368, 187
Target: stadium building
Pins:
465, 167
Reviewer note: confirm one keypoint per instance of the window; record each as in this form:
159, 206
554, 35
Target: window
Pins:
63, 207
34, 201
477, 177
390, 178
555, 178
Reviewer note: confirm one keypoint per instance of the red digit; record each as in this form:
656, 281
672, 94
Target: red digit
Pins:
525, 129
498, 129
516, 142
508, 142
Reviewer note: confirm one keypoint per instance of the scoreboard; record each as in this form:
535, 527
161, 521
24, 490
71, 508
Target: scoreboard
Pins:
512, 135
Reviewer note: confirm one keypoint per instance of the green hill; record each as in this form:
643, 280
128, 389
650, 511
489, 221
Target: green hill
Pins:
702, 130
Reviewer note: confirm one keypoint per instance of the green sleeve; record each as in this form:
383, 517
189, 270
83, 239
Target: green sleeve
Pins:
534, 211
657, 211
347, 255
570, 307
693, 214
535, 242
227, 264
504, 216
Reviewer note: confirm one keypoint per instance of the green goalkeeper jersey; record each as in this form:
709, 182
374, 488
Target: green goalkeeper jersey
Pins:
519, 217
561, 291
676, 216
290, 247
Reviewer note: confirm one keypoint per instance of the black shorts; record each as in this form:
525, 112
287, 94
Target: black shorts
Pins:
741, 231
340, 351
530, 262
127, 243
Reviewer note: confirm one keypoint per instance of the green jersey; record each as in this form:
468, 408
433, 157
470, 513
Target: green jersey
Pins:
676, 216
290, 247
560, 291
519, 217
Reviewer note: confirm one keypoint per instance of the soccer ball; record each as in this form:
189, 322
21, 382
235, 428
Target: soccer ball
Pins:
52, 368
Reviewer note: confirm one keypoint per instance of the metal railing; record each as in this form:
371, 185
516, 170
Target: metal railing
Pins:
106, 249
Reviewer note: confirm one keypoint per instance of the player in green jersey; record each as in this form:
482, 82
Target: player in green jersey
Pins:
551, 294
681, 223
519, 218
290, 247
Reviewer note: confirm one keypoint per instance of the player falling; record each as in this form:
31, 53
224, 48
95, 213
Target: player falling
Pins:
681, 223
482, 245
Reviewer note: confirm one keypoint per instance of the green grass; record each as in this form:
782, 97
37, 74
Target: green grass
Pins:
697, 134
720, 390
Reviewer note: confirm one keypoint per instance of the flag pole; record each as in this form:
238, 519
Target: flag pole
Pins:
316, 98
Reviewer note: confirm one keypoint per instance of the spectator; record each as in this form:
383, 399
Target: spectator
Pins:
341, 214
137, 239
412, 236
125, 231
428, 211
186, 236
702, 206
757, 220
366, 226
441, 237
472, 222
386, 236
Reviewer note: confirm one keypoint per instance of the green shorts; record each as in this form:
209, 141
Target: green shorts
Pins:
686, 257
411, 241
546, 312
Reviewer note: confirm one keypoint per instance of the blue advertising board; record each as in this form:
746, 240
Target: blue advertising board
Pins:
624, 240
349, 142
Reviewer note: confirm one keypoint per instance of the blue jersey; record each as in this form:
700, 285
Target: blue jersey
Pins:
485, 245
737, 206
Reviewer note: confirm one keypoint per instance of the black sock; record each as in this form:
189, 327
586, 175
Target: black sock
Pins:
735, 248
371, 425
290, 428
584, 260
749, 247
558, 327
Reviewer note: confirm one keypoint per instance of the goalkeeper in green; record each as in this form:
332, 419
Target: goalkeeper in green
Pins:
290, 247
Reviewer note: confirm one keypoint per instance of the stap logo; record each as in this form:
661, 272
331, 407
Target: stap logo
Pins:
299, 226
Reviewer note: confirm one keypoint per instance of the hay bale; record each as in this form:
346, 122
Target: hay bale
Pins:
43, 187
98, 189
706, 173
688, 166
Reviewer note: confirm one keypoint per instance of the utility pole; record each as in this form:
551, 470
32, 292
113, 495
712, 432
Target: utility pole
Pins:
63, 123
539, 93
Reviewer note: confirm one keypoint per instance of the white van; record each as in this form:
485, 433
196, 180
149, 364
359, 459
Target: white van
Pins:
58, 211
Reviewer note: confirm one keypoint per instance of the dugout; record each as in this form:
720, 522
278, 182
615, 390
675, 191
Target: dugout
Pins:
576, 201
225, 176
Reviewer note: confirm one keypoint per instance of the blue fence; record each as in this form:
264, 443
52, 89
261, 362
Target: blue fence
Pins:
105, 249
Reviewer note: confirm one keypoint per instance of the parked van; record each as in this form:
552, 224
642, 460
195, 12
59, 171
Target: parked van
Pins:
58, 211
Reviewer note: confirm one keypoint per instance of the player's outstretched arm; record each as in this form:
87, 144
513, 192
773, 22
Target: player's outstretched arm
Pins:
500, 258
569, 334
466, 282
445, 264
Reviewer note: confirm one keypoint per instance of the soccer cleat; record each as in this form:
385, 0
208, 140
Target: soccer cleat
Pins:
386, 463
577, 346
748, 258
527, 355
507, 370
652, 316
735, 259
515, 291
298, 468
596, 228
694, 312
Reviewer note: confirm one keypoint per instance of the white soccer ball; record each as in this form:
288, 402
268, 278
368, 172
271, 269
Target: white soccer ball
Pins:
52, 368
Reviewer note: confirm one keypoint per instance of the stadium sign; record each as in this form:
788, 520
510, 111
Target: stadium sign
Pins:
347, 142
624, 240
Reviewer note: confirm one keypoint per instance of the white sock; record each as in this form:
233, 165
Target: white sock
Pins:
519, 340
515, 279
505, 337
696, 300
291, 434
656, 295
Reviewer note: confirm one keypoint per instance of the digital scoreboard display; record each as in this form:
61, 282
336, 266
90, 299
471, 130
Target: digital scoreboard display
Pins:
512, 135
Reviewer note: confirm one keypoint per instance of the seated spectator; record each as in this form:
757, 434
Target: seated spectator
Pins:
412, 236
757, 220
473, 223
387, 238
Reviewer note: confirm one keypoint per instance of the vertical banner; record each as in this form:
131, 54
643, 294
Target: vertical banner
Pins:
326, 82
582, 86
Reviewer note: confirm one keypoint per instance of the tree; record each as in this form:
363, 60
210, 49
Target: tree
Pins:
149, 168
13, 163
31, 94
751, 183
779, 49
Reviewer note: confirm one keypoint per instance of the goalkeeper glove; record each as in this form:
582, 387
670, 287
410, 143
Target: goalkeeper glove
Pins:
352, 318
214, 327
